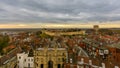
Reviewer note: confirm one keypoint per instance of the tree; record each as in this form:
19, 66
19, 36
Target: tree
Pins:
4, 40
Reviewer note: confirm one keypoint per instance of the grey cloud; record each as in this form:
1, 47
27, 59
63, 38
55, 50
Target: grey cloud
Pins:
95, 9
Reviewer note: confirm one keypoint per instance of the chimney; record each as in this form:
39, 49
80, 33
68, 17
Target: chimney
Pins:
90, 62
82, 60
116, 67
103, 65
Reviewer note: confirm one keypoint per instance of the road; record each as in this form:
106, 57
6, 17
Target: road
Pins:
11, 63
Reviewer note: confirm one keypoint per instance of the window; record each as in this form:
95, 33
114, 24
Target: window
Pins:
71, 60
114, 57
25, 60
87, 66
37, 54
41, 66
18, 61
19, 57
58, 66
37, 65
63, 54
63, 60
31, 59
37, 59
28, 59
28, 65
58, 59
41, 59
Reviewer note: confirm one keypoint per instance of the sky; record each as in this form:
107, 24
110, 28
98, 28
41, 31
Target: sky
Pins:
59, 13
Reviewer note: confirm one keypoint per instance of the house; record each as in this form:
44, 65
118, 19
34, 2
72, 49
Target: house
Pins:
25, 60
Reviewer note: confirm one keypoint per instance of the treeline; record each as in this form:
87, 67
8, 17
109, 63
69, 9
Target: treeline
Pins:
4, 40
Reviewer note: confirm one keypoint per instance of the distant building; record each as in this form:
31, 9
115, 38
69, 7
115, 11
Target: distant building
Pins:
96, 28
82, 32
25, 60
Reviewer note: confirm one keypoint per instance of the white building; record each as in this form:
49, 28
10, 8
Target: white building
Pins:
25, 61
82, 64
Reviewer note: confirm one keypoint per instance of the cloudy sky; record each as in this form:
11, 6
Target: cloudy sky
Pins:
59, 13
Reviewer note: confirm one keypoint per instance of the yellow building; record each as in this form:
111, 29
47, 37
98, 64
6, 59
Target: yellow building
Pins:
82, 32
50, 57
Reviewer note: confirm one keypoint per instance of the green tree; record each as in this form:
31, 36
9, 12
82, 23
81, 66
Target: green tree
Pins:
4, 40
